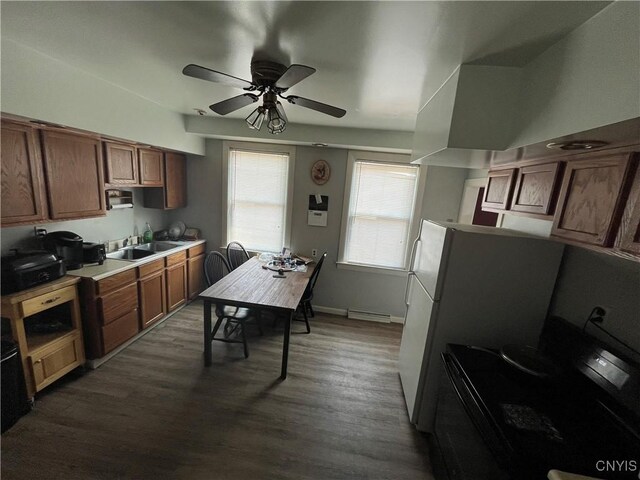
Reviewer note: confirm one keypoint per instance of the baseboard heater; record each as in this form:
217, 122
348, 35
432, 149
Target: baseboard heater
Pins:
370, 316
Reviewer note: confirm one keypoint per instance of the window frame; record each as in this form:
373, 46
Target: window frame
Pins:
414, 221
262, 148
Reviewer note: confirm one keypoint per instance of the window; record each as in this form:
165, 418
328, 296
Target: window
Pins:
257, 193
381, 195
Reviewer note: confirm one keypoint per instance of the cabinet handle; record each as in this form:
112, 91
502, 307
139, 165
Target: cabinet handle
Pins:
51, 300
37, 361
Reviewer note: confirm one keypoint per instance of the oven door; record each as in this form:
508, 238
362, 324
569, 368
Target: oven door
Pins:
462, 431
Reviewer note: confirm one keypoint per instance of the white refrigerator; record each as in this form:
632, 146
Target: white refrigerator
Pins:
470, 285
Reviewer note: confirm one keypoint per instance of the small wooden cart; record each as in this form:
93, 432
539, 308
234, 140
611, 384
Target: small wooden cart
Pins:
46, 356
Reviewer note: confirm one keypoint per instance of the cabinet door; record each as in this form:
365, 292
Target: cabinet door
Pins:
629, 234
152, 299
175, 166
23, 191
195, 273
122, 164
176, 285
74, 173
591, 199
536, 188
497, 193
151, 171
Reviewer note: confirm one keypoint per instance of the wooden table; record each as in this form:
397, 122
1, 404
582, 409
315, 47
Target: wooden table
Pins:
254, 287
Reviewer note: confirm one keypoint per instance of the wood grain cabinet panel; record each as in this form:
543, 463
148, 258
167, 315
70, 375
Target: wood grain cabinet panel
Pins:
122, 164
176, 278
498, 190
23, 189
195, 276
174, 192
536, 189
151, 167
629, 234
175, 180
152, 298
592, 197
74, 173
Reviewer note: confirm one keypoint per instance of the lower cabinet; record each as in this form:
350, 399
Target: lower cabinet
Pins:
110, 312
176, 285
195, 270
116, 308
152, 298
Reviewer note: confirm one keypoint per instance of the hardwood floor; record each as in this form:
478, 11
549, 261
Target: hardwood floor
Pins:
154, 410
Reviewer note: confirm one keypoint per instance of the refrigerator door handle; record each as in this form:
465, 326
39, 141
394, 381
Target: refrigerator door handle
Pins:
406, 291
413, 252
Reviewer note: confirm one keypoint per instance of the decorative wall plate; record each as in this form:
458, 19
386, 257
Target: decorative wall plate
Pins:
320, 172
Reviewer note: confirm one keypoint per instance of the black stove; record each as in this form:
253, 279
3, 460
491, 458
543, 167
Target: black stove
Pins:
583, 420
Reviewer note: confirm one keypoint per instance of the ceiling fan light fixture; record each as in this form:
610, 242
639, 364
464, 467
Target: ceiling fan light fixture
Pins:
276, 119
255, 118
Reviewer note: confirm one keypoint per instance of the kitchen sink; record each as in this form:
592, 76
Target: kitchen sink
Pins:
138, 252
156, 246
130, 254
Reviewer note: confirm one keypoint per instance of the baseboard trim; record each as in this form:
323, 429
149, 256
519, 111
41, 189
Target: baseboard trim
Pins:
343, 313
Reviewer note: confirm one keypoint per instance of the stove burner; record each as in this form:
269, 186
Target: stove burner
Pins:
524, 417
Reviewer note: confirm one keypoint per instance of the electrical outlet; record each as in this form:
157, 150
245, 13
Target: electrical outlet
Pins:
314, 252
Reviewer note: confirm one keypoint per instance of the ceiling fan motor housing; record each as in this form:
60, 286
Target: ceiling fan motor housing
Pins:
265, 74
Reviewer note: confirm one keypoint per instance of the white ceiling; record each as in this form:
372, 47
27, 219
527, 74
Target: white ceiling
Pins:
379, 60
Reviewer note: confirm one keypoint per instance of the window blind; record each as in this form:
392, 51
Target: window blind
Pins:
380, 208
257, 199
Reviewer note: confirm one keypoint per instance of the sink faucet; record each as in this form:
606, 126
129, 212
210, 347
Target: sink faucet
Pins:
124, 242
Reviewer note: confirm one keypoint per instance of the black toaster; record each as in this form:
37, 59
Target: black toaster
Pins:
29, 269
93, 253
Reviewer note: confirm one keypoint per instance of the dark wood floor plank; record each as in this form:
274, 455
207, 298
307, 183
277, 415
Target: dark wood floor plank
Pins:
154, 411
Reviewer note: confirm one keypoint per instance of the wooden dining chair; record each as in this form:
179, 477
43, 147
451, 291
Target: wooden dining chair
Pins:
215, 268
236, 255
307, 296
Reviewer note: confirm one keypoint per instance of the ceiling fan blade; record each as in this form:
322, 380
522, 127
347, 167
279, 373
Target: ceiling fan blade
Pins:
203, 73
293, 75
317, 106
232, 104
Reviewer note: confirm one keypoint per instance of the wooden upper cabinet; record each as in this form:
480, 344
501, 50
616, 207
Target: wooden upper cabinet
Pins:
122, 164
497, 193
592, 198
536, 189
174, 192
628, 238
151, 168
175, 167
23, 189
74, 172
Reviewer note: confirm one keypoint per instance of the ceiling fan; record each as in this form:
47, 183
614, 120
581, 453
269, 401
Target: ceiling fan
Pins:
269, 80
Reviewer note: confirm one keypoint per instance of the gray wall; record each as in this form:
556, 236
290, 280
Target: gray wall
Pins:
587, 279
115, 225
337, 288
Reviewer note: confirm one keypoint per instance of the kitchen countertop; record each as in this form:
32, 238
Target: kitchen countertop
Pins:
111, 266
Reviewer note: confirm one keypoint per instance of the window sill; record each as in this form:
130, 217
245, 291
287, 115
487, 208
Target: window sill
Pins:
396, 272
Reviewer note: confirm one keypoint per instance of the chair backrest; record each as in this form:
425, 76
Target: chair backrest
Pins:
236, 255
215, 267
314, 276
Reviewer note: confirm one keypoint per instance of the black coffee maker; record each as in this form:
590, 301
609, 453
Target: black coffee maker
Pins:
67, 245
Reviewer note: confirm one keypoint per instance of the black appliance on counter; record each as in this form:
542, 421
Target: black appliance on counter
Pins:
93, 253
14, 403
23, 270
495, 421
67, 245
